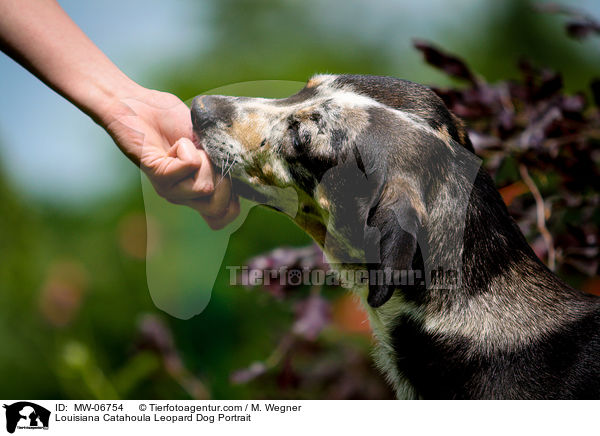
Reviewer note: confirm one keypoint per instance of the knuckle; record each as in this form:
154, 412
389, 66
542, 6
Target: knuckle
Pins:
206, 188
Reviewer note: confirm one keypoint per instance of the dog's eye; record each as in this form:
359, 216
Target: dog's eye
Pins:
294, 125
296, 141
315, 117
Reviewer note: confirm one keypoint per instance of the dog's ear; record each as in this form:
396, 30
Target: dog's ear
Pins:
391, 242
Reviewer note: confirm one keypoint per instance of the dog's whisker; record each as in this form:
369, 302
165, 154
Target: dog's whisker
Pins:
228, 172
223, 173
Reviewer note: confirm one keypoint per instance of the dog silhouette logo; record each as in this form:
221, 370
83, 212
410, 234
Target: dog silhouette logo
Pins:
26, 415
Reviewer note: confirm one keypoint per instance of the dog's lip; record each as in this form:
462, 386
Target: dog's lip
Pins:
200, 145
248, 191
197, 142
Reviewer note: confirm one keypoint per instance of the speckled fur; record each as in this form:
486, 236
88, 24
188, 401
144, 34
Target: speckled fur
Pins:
386, 178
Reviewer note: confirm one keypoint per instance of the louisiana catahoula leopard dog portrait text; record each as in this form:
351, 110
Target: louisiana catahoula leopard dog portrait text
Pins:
387, 183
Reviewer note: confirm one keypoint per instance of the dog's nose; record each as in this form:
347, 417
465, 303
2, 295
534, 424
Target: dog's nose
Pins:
207, 110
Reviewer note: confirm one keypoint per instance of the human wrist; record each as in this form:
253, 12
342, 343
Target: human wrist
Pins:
105, 99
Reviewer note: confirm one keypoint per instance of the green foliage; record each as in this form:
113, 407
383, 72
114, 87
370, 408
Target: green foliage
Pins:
76, 318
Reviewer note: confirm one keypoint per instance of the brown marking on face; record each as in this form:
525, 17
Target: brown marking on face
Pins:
315, 81
269, 174
261, 172
247, 132
399, 185
267, 169
304, 114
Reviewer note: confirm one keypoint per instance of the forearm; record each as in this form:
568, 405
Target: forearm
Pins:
153, 129
40, 36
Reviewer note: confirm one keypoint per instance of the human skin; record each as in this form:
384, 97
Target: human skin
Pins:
152, 128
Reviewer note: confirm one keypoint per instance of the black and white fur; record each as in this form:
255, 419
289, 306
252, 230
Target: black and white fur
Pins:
386, 178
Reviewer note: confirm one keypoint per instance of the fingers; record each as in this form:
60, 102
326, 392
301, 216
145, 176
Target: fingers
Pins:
185, 176
193, 186
202, 184
181, 161
220, 208
185, 150
144, 128
232, 211
216, 205
166, 171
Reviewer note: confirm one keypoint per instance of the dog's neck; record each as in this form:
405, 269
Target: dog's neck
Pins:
489, 252
503, 299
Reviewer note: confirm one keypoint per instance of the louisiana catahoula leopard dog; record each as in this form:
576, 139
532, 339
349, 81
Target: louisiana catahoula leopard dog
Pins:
387, 182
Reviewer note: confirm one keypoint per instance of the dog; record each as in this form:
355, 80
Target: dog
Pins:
387, 182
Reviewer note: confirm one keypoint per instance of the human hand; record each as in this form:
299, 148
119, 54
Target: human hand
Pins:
154, 130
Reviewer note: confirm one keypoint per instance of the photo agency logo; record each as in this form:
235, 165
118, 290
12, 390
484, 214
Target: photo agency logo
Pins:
347, 278
25, 415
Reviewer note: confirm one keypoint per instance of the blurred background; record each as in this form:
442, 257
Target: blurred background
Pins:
76, 317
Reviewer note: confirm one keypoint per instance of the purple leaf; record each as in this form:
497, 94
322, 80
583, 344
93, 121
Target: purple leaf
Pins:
248, 374
580, 25
448, 63
534, 135
312, 315
582, 28
154, 334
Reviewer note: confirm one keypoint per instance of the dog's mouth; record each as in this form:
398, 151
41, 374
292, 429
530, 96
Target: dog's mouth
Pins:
272, 197
227, 165
196, 139
224, 168
248, 191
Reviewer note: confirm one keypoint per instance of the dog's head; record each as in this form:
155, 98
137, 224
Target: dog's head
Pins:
360, 151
